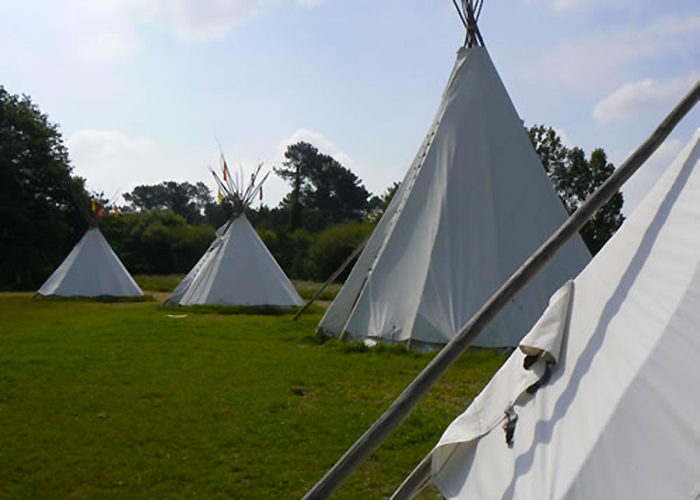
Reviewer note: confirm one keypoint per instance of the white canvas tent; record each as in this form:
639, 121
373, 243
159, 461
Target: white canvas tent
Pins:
91, 269
237, 269
618, 417
473, 206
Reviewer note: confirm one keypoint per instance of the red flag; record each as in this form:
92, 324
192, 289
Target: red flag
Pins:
260, 193
225, 171
99, 211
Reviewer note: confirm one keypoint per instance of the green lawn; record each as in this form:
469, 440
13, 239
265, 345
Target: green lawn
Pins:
119, 400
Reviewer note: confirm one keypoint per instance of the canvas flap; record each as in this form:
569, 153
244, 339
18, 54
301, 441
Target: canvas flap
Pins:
511, 382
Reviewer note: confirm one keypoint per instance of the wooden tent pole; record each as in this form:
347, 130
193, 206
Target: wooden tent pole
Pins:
330, 280
414, 483
384, 426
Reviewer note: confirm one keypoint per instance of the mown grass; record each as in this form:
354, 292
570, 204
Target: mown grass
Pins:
158, 283
122, 401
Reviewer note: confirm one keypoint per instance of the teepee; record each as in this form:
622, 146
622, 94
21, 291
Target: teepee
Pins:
92, 269
473, 206
237, 269
601, 400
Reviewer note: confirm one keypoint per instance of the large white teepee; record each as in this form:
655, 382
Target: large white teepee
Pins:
237, 269
473, 206
91, 269
620, 414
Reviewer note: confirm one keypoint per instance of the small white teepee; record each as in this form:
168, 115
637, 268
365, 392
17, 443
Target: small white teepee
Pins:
473, 206
91, 269
237, 269
619, 415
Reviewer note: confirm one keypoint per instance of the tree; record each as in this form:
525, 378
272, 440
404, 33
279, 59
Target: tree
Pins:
575, 178
40, 220
186, 200
323, 191
381, 203
157, 241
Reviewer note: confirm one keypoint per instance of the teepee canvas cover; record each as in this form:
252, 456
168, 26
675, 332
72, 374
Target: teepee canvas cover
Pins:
91, 269
237, 269
619, 415
473, 206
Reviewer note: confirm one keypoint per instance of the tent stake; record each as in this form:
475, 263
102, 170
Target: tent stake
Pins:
384, 426
330, 280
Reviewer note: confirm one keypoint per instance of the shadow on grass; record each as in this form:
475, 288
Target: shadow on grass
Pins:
252, 310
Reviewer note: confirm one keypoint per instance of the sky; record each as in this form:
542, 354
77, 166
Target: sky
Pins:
144, 90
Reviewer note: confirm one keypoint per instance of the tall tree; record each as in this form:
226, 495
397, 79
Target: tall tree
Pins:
186, 200
40, 222
575, 178
322, 189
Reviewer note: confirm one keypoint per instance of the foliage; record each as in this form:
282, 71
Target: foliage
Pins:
331, 247
382, 202
186, 200
575, 178
157, 241
323, 191
40, 221
122, 401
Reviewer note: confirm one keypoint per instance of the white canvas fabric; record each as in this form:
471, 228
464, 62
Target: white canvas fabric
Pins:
237, 269
91, 269
473, 206
619, 417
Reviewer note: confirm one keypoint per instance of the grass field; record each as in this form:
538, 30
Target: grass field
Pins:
121, 401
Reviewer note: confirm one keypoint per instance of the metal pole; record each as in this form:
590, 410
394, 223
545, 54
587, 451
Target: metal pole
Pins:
385, 425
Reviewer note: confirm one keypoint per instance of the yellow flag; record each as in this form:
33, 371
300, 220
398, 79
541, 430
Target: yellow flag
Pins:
220, 197
93, 205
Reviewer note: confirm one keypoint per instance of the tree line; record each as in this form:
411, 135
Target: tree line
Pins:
165, 228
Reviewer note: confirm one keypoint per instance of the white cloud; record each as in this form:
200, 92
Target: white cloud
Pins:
644, 179
111, 161
635, 97
592, 61
197, 20
104, 30
310, 3
565, 137
565, 5
324, 145
107, 29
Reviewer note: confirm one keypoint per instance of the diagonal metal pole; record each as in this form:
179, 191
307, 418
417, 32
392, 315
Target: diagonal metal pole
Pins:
414, 393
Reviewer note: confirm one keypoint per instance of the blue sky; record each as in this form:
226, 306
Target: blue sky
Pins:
141, 88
